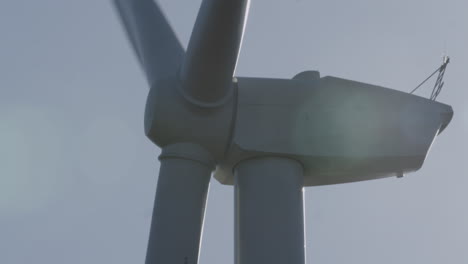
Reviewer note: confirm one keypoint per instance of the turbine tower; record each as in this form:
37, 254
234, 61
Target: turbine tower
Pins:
267, 137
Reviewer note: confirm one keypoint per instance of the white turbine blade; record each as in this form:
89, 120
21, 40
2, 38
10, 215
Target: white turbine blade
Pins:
178, 212
155, 44
213, 50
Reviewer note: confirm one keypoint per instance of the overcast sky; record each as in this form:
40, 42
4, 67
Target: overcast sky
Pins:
78, 176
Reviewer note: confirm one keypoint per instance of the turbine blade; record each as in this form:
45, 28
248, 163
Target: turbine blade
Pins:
178, 211
213, 50
156, 46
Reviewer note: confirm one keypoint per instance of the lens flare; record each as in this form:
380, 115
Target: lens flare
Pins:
30, 158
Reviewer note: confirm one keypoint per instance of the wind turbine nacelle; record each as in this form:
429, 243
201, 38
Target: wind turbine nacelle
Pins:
340, 130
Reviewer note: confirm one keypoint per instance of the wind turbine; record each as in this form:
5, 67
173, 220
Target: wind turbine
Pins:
267, 137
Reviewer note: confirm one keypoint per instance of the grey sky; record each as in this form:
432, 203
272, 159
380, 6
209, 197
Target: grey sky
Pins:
77, 175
